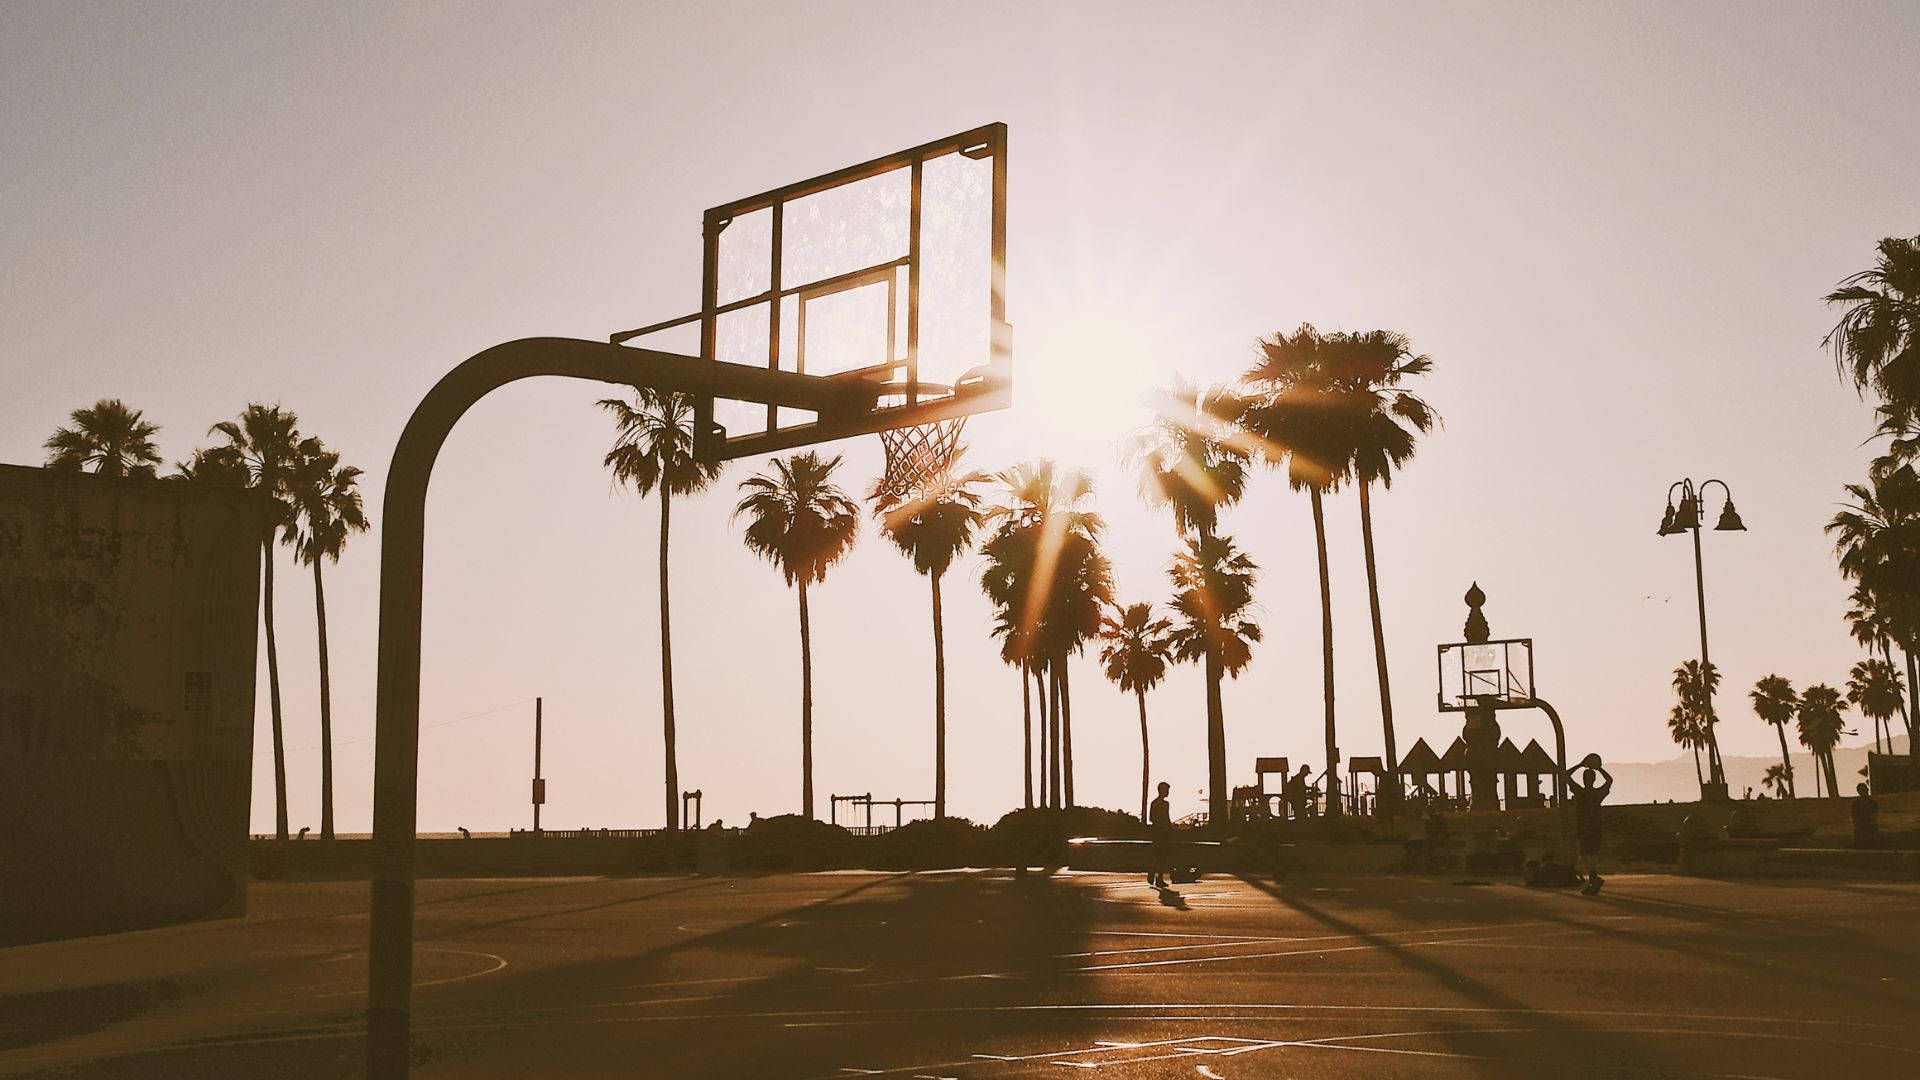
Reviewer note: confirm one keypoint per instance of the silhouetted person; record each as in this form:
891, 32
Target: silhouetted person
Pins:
464, 834
1160, 829
1587, 798
1866, 818
1296, 791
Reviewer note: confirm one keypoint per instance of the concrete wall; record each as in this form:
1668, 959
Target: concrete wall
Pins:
128, 617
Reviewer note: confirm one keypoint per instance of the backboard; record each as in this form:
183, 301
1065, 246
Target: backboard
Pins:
1496, 673
881, 286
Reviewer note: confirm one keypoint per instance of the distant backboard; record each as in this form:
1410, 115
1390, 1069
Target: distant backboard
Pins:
885, 280
1497, 673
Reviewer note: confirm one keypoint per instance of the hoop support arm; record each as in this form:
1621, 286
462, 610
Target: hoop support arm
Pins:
402, 545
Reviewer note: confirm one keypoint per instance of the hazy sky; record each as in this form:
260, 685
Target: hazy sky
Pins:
1610, 229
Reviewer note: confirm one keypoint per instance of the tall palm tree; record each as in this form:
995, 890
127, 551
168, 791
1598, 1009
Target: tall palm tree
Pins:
265, 443
932, 525
1693, 699
1385, 421
1296, 417
1135, 649
1877, 538
1213, 592
1775, 702
1876, 343
1875, 688
326, 497
800, 521
1779, 780
1820, 729
653, 451
107, 437
1049, 582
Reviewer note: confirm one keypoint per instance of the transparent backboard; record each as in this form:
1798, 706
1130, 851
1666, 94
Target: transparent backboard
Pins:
1497, 673
887, 278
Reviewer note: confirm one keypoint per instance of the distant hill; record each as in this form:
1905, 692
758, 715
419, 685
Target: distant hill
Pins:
1661, 781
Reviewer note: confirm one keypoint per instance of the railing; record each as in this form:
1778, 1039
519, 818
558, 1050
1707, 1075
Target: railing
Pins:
574, 834
869, 830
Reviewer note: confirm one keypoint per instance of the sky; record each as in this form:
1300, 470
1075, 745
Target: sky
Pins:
1610, 227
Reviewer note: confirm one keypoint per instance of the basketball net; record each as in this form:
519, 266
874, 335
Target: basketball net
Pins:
919, 455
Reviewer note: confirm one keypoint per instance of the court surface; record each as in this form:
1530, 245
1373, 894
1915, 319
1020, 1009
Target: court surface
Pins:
981, 974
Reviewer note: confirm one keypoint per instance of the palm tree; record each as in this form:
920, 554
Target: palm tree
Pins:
1049, 582
217, 465
1874, 687
1192, 460
932, 525
1684, 726
1775, 702
1296, 418
798, 520
265, 443
1135, 650
108, 437
1779, 780
1877, 539
1385, 422
653, 451
1876, 343
1694, 702
1820, 729
1213, 590
326, 496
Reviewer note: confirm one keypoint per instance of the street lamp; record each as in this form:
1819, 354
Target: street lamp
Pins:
1685, 516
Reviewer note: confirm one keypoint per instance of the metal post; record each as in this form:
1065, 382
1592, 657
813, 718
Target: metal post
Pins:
539, 796
402, 556
1717, 774
1559, 778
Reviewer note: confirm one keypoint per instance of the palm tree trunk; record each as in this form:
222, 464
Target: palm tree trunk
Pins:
1026, 730
1833, 782
1216, 747
806, 709
273, 694
1053, 690
1390, 784
666, 671
1046, 735
1785, 761
939, 709
326, 709
1697, 777
1146, 771
1326, 654
1913, 704
1066, 730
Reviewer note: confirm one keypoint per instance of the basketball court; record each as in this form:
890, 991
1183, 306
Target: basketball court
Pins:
981, 974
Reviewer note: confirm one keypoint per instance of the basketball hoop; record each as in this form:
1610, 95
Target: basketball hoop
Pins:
918, 455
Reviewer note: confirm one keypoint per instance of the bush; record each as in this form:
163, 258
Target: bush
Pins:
929, 845
1038, 836
792, 842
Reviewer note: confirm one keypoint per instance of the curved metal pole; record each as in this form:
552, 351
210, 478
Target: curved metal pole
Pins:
1560, 778
403, 536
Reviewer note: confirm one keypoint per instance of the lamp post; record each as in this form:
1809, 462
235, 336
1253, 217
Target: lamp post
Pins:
1686, 516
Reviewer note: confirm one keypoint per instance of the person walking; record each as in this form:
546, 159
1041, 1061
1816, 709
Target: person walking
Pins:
1587, 798
1160, 831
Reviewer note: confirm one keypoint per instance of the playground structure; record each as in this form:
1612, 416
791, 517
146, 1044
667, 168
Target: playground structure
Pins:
864, 803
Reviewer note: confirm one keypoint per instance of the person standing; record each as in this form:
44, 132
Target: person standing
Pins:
1587, 798
1866, 818
1160, 831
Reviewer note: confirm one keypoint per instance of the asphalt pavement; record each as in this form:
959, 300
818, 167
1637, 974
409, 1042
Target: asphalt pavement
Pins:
968, 974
